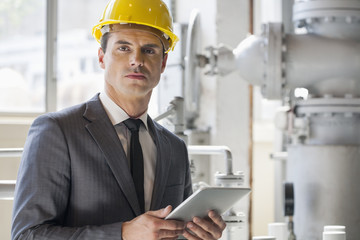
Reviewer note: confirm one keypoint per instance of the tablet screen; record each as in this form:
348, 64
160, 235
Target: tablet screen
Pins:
202, 201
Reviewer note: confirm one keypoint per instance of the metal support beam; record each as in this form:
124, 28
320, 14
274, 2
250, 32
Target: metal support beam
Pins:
51, 54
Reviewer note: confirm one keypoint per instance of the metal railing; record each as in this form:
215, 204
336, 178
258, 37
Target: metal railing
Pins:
7, 187
10, 152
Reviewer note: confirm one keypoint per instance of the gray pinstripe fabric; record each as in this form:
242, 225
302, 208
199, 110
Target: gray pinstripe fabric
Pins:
74, 183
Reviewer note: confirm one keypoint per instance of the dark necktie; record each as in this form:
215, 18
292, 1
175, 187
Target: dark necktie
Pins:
136, 160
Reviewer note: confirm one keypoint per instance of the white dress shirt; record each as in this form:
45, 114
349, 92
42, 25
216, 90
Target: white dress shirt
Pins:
117, 115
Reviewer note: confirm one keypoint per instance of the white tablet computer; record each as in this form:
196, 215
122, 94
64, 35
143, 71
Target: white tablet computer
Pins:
202, 201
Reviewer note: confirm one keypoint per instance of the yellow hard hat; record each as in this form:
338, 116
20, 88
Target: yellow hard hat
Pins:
151, 13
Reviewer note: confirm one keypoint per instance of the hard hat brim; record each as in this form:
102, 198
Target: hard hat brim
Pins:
173, 39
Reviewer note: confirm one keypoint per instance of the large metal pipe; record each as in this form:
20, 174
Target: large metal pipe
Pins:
311, 61
320, 63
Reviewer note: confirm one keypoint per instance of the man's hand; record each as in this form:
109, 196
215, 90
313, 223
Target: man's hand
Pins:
205, 228
151, 225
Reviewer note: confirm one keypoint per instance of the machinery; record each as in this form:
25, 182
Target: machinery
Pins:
321, 127
321, 61
176, 111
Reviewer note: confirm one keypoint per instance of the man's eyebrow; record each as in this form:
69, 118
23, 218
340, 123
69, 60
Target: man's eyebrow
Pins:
152, 45
122, 42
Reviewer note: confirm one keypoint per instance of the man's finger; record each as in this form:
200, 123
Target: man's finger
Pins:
206, 228
161, 213
170, 225
194, 232
217, 219
168, 234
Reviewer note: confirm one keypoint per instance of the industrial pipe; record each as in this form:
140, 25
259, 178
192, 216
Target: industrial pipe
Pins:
310, 61
318, 63
170, 111
176, 109
213, 150
10, 152
247, 56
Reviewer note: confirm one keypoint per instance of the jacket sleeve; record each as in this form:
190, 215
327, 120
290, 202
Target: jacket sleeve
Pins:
43, 189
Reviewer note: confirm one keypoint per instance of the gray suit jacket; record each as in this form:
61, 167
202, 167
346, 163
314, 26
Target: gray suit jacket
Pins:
74, 181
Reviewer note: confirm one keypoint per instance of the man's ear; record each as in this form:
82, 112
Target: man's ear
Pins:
163, 65
101, 55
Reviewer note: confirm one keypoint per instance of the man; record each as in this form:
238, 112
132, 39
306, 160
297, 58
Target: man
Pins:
79, 178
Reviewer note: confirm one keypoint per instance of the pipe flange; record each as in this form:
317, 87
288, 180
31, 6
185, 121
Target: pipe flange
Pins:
328, 106
304, 10
229, 180
331, 18
274, 75
234, 220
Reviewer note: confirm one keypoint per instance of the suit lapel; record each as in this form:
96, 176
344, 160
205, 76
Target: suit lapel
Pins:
162, 164
104, 134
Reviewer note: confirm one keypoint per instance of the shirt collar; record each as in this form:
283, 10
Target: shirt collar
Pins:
116, 113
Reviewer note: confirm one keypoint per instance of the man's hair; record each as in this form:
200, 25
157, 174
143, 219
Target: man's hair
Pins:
104, 41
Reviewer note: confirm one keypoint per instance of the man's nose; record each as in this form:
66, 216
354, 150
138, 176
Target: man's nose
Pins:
137, 58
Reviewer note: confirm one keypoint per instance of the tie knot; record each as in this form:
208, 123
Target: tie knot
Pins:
133, 124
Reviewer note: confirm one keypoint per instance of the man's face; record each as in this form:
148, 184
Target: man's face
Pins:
133, 63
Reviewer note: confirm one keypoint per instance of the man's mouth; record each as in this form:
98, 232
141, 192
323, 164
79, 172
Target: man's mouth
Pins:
138, 76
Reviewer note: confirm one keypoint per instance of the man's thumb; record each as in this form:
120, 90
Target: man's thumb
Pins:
161, 213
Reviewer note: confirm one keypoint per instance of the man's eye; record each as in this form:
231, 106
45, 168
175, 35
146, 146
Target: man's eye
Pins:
149, 51
123, 48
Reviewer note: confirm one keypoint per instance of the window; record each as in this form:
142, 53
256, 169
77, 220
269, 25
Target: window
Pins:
79, 74
23, 60
22, 55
